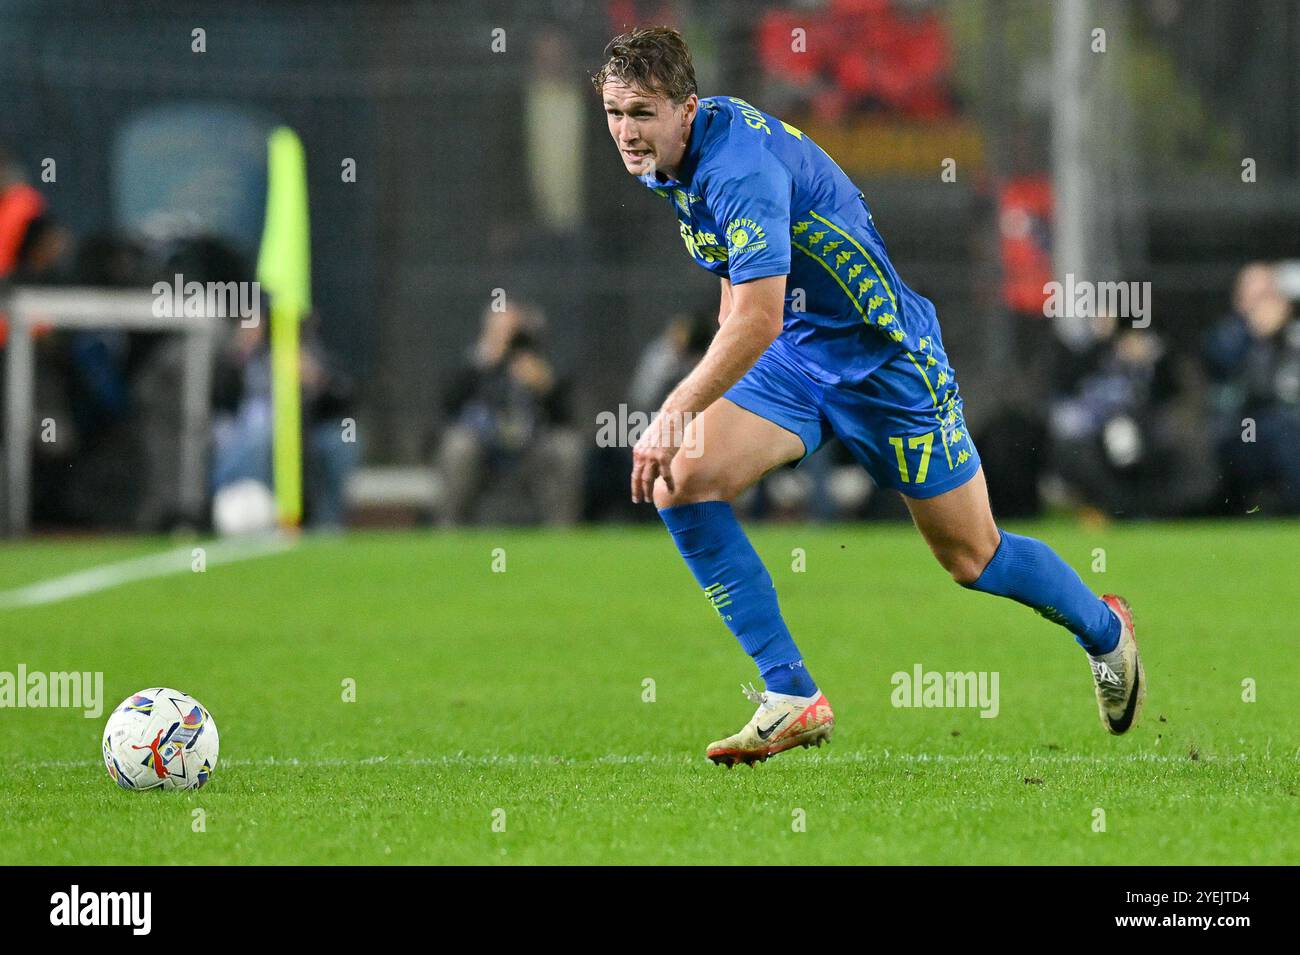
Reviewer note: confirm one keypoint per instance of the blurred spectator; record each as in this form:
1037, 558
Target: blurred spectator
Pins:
243, 422
91, 476
555, 108
669, 358
34, 250
32, 245
665, 361
1253, 359
100, 357
510, 425
1117, 439
157, 363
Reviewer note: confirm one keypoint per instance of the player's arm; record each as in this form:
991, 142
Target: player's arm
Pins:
755, 319
752, 208
751, 205
750, 325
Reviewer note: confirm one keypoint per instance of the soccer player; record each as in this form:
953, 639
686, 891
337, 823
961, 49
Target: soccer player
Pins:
818, 336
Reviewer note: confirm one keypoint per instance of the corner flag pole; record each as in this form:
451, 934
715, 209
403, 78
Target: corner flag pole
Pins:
284, 272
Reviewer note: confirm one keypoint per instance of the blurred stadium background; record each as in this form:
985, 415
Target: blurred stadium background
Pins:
486, 282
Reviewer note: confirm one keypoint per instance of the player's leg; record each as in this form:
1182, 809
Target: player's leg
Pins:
959, 527
905, 423
736, 447
727, 449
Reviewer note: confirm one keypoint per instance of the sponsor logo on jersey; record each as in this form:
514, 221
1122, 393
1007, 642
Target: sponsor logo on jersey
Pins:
745, 235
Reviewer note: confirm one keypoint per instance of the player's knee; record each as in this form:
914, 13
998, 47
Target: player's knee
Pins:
965, 560
692, 485
963, 569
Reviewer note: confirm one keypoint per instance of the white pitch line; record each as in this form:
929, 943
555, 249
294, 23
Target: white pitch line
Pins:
107, 576
615, 759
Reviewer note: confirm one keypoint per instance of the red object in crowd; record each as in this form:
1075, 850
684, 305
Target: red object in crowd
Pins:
623, 15
19, 205
869, 51
1025, 224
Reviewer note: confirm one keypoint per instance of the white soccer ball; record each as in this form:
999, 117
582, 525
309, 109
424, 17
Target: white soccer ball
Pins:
160, 738
244, 507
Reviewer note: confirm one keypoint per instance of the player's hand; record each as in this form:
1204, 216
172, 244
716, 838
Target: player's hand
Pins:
653, 455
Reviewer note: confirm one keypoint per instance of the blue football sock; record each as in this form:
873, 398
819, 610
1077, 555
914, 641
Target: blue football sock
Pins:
734, 579
1028, 571
789, 678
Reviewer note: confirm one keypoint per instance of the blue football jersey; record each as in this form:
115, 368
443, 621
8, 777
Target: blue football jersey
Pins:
755, 197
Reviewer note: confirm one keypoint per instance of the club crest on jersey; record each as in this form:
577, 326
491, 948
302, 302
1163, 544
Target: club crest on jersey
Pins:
745, 235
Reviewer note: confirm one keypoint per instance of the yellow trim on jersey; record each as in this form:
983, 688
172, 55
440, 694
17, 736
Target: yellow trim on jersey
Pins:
865, 254
838, 280
875, 302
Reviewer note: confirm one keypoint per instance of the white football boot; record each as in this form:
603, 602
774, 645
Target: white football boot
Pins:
1121, 682
780, 723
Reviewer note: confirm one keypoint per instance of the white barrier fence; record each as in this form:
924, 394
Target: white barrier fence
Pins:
26, 307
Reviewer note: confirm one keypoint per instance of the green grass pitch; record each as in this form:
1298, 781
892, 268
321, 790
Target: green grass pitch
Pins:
517, 698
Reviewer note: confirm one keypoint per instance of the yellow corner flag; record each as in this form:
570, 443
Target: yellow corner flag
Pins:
284, 272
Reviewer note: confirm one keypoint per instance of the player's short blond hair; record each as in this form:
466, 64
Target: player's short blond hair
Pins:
654, 60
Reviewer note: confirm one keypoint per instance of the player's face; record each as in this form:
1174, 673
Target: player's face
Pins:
650, 131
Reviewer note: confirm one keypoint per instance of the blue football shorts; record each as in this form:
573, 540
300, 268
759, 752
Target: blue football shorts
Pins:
904, 424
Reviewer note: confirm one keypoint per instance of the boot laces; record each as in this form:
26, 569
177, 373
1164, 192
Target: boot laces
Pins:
1102, 673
